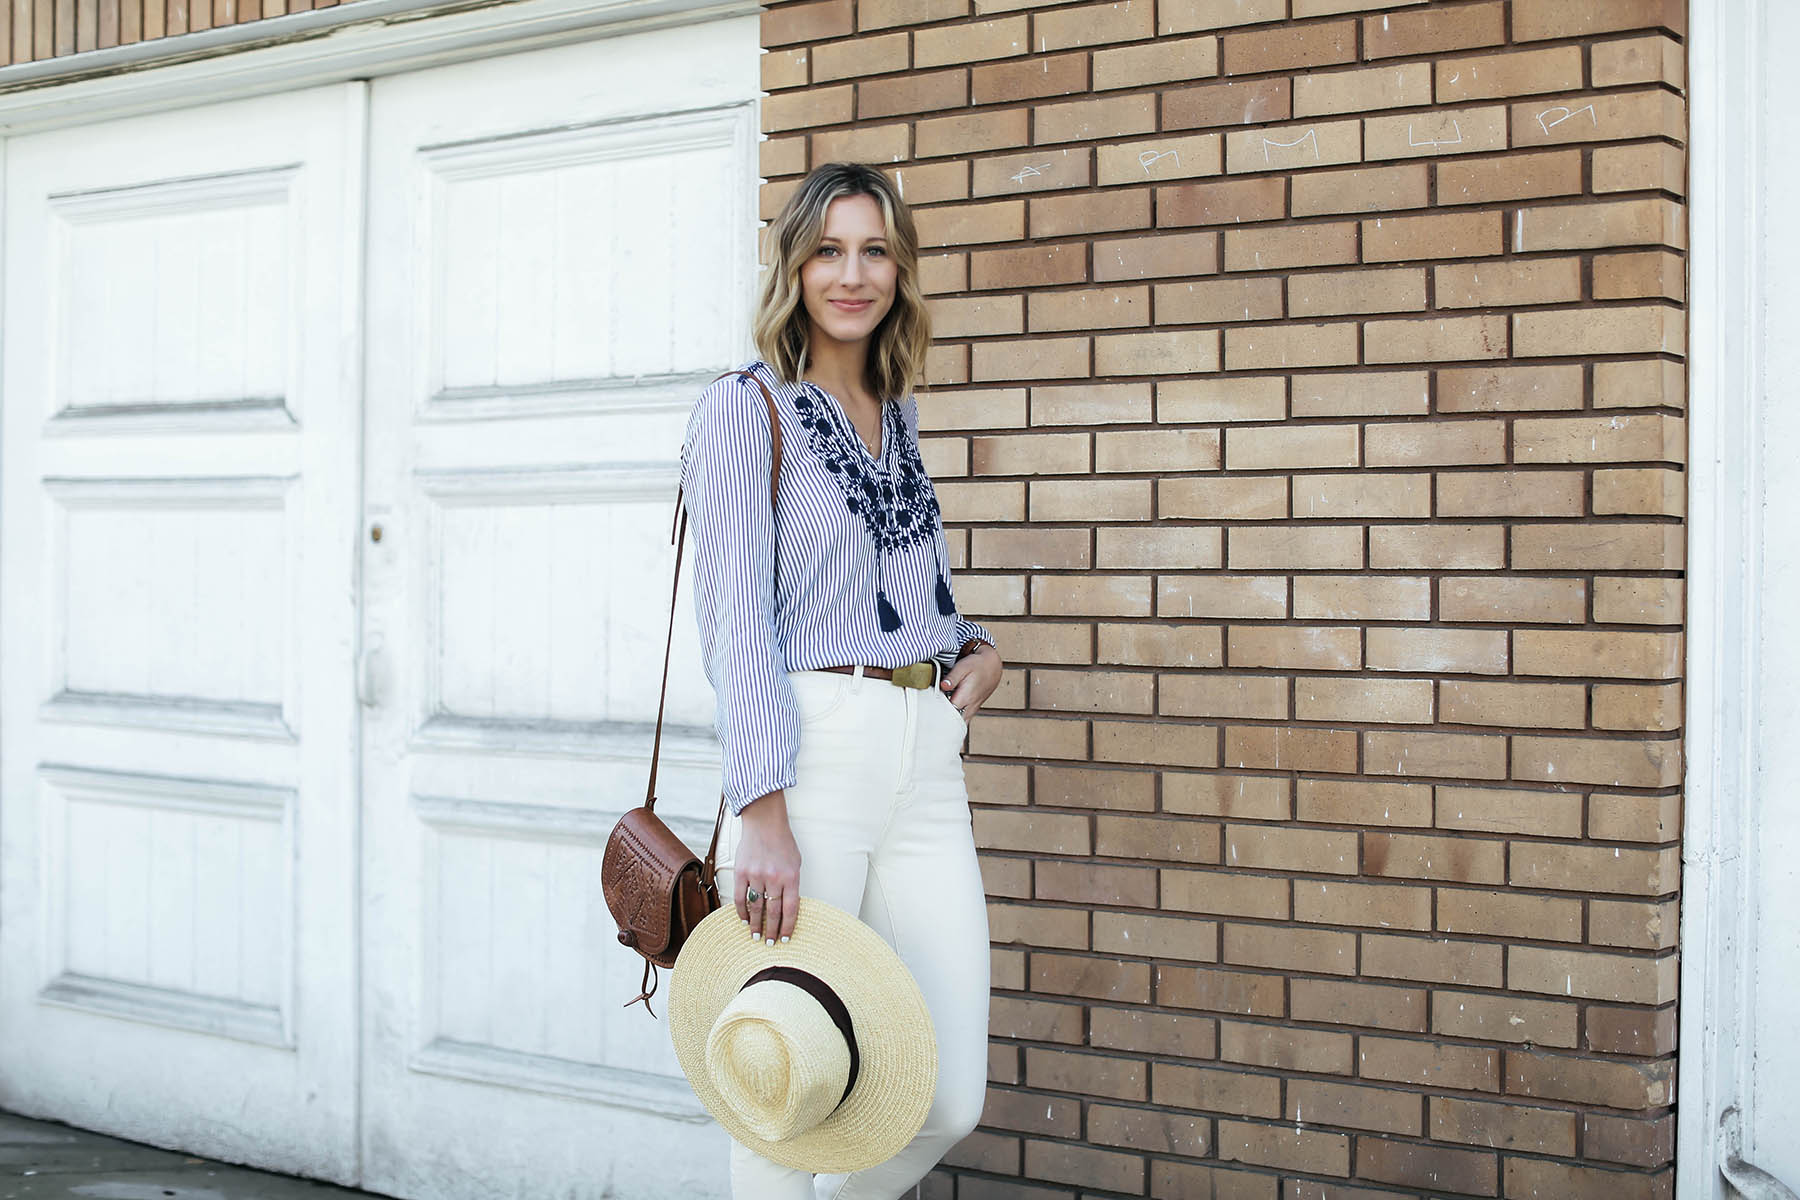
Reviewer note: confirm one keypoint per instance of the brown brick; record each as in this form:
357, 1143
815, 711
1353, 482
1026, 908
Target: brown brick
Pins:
1092, 24
1504, 1018
1293, 147
1508, 283
1619, 654
1172, 1180
1509, 388
1654, 221
1630, 1030
1432, 134
1173, 1034
1608, 761
1069, 1163
1633, 924
1595, 868
1034, 266
862, 56
1170, 353
1156, 256
1150, 742
1635, 1143
1433, 30
796, 110
1028, 737
1370, 189
1415, 752
1089, 1074
782, 156
1244, 797
1509, 915
1247, 102
1315, 951
1503, 1126
1213, 1090
1000, 221
1527, 1177
1236, 399
1472, 651
1381, 1110
1089, 308
1437, 235
1211, 301
1184, 548
1039, 832
1164, 158
1185, 16
1320, 93
1090, 595
1382, 701
1512, 599
1323, 245
1427, 1064
1095, 978
1333, 293
1514, 177
807, 22
985, 1151
1511, 494
1634, 818
1272, 347
1615, 116
1519, 73
785, 69
1039, 1020
1065, 216
1165, 938
1360, 393
1285, 1048
999, 38
1371, 904
1616, 438
1265, 748
1436, 339
1234, 696
1534, 705
1646, 273
1263, 847
1029, 79
1417, 856
1089, 404
1027, 1112
1226, 202
884, 14
976, 316
1359, 801
1638, 168
1149, 1129
1465, 964
1052, 549
1373, 1006
1166, 60
1539, 19
1638, 601
1622, 1085
1076, 120
1300, 648
1034, 171
1297, 547
1085, 883
1280, 1146
1290, 47
1157, 450
1057, 928
1227, 894
1092, 691
1152, 839
968, 133
1355, 598
1620, 978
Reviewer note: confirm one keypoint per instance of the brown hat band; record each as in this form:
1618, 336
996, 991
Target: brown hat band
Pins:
828, 1000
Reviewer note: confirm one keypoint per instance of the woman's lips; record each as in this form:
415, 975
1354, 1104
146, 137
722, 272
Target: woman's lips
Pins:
852, 306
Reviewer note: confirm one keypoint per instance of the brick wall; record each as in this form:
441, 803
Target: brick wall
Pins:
35, 29
1308, 409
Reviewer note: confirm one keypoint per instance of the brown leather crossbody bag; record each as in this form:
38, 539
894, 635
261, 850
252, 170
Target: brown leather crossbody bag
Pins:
657, 890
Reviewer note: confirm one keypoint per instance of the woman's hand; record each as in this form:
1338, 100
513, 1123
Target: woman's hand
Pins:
973, 679
767, 860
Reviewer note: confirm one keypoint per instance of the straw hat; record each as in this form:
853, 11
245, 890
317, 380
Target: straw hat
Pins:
757, 1029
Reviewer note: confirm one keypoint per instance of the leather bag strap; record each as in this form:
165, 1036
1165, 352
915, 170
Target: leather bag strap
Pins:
678, 534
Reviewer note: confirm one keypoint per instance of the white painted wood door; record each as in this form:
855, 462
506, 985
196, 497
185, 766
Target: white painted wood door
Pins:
178, 729
560, 254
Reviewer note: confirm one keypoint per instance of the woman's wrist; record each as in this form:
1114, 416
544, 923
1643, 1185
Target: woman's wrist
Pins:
770, 808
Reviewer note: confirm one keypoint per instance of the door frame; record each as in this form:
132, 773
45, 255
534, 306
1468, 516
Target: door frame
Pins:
331, 45
1725, 529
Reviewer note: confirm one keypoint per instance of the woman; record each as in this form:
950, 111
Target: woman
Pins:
845, 779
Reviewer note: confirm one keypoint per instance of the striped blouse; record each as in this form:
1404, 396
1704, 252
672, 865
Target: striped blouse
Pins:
850, 566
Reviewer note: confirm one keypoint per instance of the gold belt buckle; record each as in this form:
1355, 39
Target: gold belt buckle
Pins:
914, 675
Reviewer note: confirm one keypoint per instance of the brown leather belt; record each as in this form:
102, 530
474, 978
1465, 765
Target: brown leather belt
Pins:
913, 675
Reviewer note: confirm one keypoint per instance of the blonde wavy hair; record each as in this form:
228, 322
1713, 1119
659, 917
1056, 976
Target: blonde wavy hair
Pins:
781, 327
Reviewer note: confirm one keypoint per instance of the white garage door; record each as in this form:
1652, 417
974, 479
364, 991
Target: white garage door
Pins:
338, 451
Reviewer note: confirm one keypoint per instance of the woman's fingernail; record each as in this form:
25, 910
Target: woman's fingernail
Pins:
754, 935
784, 937
771, 941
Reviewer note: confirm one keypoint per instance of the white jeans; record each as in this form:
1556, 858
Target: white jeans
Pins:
881, 816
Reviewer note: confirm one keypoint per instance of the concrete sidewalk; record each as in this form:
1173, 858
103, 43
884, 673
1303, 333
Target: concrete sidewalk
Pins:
45, 1160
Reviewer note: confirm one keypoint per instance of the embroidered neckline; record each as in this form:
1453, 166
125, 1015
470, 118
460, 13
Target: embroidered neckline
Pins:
889, 493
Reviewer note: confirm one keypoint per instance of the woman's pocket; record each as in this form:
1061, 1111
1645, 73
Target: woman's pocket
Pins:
819, 694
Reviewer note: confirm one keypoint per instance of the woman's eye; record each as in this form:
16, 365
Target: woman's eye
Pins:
878, 250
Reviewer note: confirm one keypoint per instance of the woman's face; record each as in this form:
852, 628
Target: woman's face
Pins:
848, 284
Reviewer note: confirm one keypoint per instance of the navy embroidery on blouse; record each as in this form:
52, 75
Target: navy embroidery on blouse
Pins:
892, 495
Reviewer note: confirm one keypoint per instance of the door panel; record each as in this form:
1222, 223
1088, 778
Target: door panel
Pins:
178, 498
560, 257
